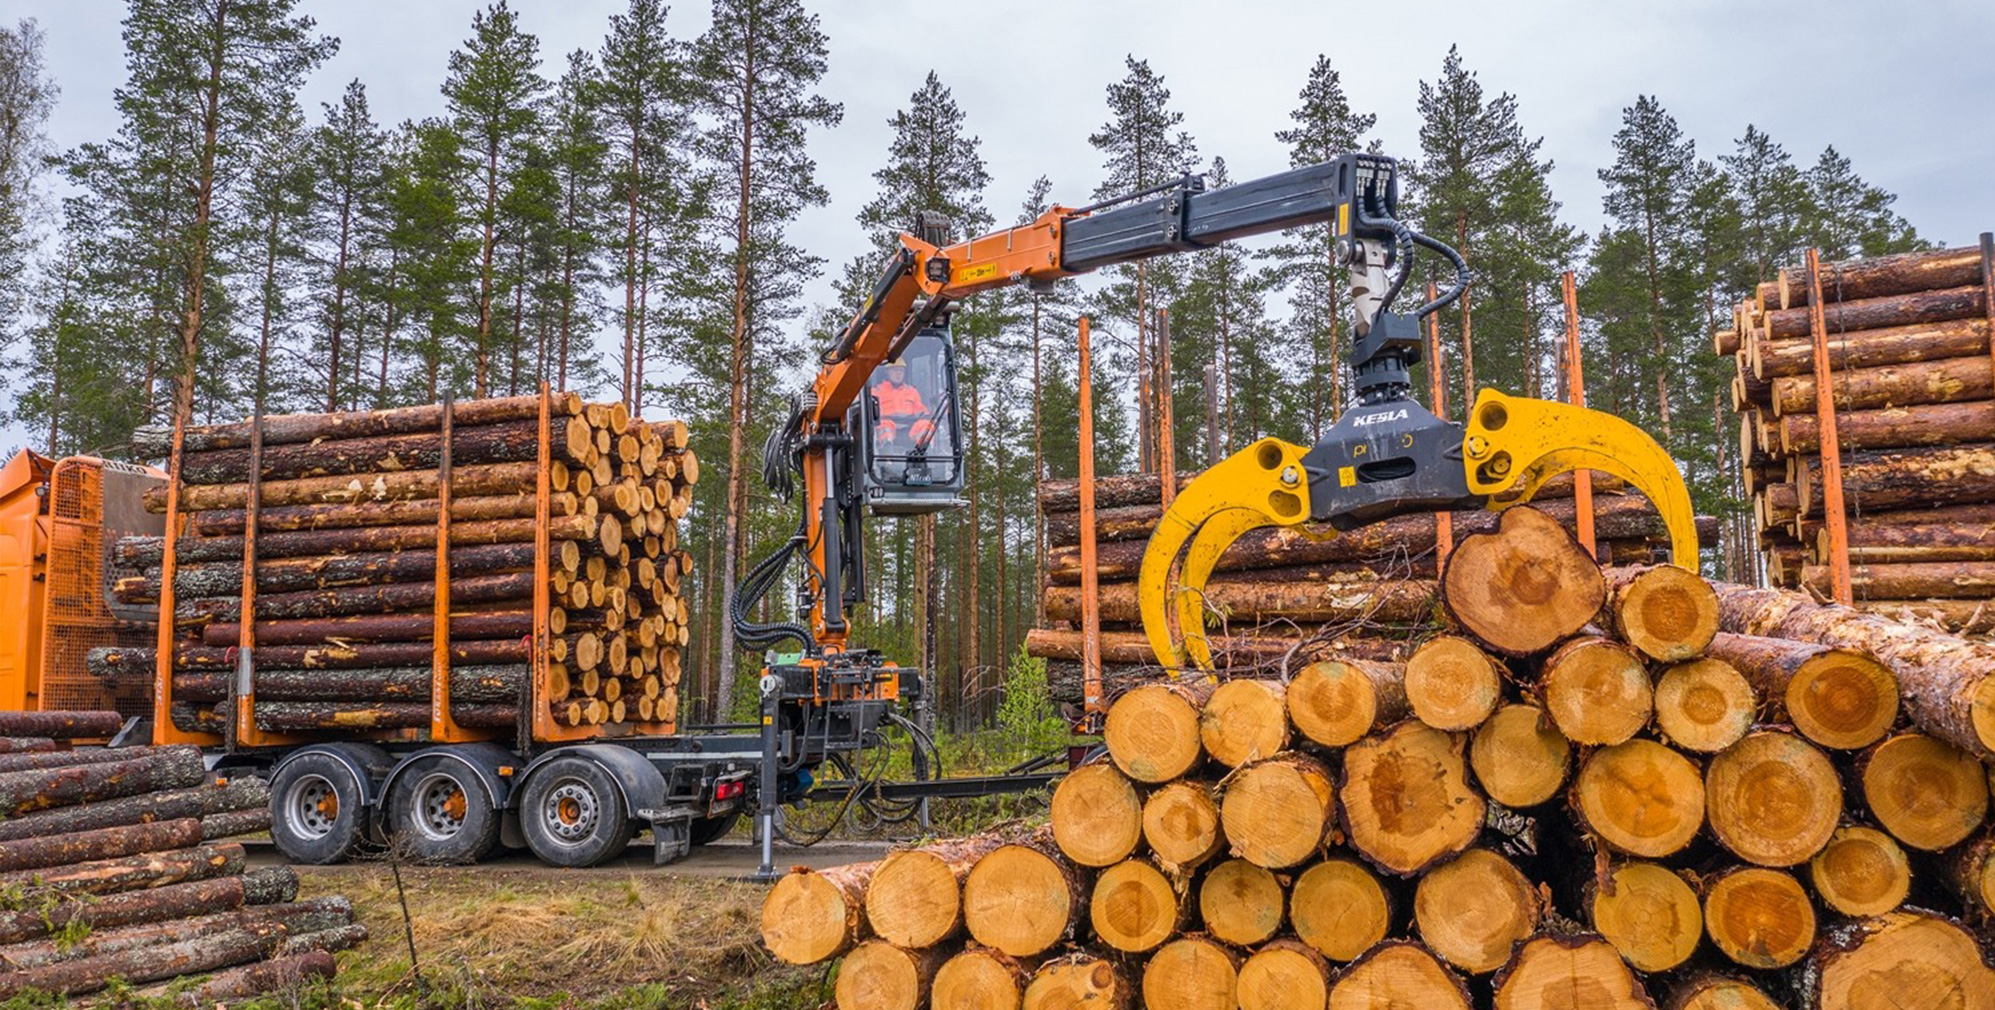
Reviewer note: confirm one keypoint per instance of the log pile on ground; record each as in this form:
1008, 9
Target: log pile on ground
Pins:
115, 864
1583, 789
1274, 586
347, 530
1913, 387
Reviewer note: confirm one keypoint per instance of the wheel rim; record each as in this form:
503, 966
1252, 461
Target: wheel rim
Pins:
571, 811
440, 807
314, 808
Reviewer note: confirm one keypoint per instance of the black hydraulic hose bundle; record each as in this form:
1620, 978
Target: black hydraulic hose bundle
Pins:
1406, 238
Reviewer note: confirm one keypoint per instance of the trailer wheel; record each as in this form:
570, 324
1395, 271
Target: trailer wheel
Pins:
573, 814
317, 811
439, 813
707, 830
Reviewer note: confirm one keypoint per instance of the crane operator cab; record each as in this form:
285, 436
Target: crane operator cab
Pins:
910, 438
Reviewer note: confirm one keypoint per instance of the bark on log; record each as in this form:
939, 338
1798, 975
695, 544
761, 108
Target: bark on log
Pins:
60, 725
1773, 799
471, 481
1520, 758
286, 429
1649, 913
1524, 586
38, 760
1334, 702
1879, 276
374, 628
1398, 973
130, 873
294, 574
163, 768
290, 518
487, 685
1097, 816
1134, 908
1907, 957
1947, 380
357, 600
1554, 972
161, 904
1862, 871
1759, 918
1472, 909
1944, 680
1916, 542
1280, 811
1383, 600
119, 663
510, 442
146, 551
1704, 705
1023, 898
1838, 698
915, 896
235, 823
1931, 424
245, 793
1936, 306
816, 915
1340, 909
1910, 580
26, 744
281, 974
103, 843
1114, 491
146, 964
1891, 345
1962, 617
307, 716
1640, 797
321, 913
1406, 801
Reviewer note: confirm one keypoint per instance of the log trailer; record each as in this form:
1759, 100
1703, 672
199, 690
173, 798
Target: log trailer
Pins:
1388, 456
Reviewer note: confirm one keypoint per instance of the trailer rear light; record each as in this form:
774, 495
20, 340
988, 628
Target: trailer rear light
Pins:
727, 790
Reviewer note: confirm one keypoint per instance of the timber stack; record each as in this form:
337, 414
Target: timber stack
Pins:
115, 865
1610, 789
348, 511
1276, 586
1912, 389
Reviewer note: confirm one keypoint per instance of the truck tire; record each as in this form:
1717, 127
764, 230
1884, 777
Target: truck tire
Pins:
573, 815
438, 812
318, 814
707, 830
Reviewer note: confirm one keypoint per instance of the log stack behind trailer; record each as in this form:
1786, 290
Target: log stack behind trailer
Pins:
518, 557
1582, 789
115, 864
1912, 388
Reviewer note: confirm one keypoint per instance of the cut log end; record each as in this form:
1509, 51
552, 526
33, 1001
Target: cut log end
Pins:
1473, 909
1901, 959
1596, 691
1181, 824
1340, 909
1928, 793
1773, 799
1520, 758
1704, 705
1133, 907
1398, 973
1649, 913
1277, 813
1864, 871
811, 917
1844, 699
1759, 918
1667, 613
1284, 975
1019, 900
1097, 816
977, 979
1078, 981
1240, 903
1336, 702
1524, 586
1566, 973
1641, 798
914, 899
1152, 732
1191, 973
1406, 800
1244, 720
1451, 684
1715, 992
879, 974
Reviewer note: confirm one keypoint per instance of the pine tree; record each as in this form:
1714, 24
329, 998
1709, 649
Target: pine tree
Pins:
276, 208
577, 153
346, 161
27, 96
1771, 199
1649, 188
756, 71
435, 246
1847, 216
1305, 263
493, 88
1219, 316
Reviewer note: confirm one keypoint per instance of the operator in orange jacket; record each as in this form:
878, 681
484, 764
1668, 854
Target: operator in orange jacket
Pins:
900, 407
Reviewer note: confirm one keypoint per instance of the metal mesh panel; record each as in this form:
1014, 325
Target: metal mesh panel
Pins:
78, 620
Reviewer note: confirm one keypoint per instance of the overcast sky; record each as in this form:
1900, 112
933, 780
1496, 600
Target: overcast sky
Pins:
1903, 88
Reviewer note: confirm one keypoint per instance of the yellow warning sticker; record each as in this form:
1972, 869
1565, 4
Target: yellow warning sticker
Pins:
1347, 476
972, 274
1343, 219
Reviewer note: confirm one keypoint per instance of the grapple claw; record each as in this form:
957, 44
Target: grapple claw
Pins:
1261, 485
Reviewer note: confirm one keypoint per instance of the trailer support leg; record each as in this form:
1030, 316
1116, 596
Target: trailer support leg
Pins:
767, 793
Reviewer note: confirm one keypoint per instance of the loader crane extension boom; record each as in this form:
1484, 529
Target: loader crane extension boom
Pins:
1388, 456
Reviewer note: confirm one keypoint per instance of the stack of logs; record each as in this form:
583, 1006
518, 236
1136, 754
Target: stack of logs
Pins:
1274, 583
1913, 388
1587, 790
347, 529
113, 866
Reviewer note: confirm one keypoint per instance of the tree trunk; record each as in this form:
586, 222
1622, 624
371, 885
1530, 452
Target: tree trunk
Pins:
1882, 276
1944, 681
102, 843
130, 873
358, 600
235, 823
1407, 601
1963, 617
26, 745
374, 628
1936, 306
114, 663
291, 429
1648, 912
60, 725
245, 793
1523, 587
1885, 480
1933, 424
511, 442
39, 760
1407, 802
484, 479
914, 898
288, 518
146, 964
1947, 380
305, 716
1892, 345
278, 974
1553, 972
471, 685
1097, 815
1400, 973
1473, 909
163, 768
